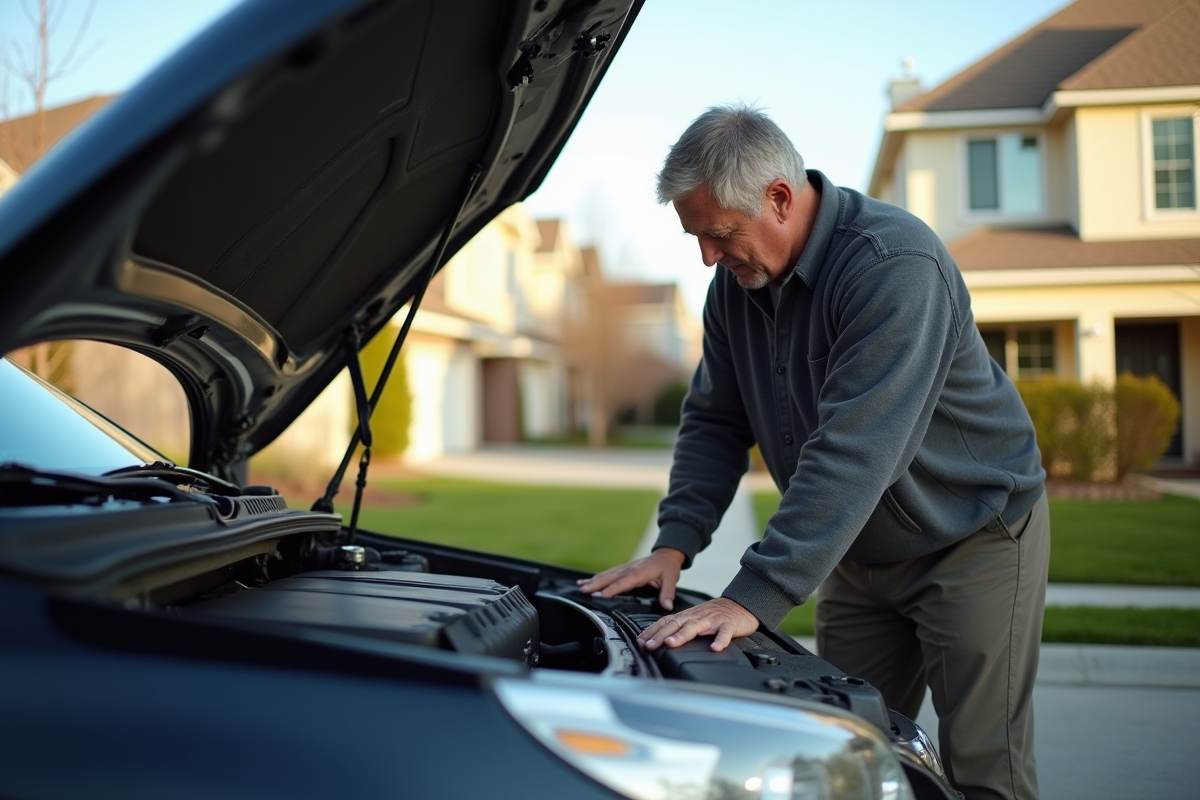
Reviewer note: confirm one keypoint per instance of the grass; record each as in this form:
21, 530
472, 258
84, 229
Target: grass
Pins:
590, 529
1155, 542
1159, 627
799, 622
1144, 543
1162, 627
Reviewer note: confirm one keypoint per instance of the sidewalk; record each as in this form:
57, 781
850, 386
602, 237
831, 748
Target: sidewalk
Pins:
715, 566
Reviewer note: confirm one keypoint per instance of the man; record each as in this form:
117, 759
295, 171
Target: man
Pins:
839, 338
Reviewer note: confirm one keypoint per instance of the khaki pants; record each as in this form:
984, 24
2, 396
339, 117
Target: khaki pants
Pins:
966, 622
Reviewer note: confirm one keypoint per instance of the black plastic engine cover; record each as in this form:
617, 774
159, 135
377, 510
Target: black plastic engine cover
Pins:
470, 615
756, 664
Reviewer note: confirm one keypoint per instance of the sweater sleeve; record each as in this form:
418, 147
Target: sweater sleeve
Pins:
896, 332
714, 439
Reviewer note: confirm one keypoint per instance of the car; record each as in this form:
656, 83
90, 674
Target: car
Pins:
248, 216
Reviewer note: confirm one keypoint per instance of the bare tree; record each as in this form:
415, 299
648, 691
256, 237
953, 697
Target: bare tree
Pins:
614, 373
35, 68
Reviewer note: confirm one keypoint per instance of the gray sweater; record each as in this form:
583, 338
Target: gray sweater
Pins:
885, 424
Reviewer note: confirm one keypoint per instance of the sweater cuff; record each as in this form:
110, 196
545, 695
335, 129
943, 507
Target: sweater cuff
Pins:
682, 537
760, 597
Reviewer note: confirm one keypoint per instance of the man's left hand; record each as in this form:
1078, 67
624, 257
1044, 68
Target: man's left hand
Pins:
721, 617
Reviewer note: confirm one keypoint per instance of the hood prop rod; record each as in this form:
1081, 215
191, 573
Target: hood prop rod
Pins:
365, 409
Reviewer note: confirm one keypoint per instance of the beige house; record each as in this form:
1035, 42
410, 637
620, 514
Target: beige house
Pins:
1061, 171
485, 359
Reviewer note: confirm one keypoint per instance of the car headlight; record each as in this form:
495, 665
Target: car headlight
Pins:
651, 741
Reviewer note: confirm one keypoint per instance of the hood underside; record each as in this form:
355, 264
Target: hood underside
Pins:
285, 179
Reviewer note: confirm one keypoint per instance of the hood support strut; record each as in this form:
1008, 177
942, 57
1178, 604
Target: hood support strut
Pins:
364, 406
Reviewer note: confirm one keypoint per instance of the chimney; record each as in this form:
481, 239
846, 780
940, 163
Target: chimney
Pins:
907, 86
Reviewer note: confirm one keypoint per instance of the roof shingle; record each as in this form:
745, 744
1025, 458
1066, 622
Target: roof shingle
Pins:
990, 249
1025, 71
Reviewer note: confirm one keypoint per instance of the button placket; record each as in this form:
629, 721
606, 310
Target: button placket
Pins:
782, 331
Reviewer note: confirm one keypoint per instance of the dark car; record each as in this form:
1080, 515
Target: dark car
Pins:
247, 217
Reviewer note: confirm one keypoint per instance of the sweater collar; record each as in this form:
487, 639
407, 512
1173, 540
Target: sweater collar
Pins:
824, 227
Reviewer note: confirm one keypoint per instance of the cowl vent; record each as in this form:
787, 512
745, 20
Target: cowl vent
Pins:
257, 506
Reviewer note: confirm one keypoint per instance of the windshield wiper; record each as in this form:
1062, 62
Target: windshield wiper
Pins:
26, 486
178, 475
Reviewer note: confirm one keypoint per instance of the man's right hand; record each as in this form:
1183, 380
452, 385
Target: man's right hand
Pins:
660, 569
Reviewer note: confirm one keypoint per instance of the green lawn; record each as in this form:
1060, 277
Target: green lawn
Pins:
591, 529
1160, 627
1154, 542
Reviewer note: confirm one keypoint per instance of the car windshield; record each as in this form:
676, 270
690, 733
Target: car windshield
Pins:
44, 428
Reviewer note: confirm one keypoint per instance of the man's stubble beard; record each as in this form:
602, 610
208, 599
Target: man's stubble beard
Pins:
755, 280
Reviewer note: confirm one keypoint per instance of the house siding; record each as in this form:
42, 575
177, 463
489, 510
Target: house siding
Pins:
1112, 177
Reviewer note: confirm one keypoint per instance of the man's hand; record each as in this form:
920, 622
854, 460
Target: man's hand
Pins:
722, 617
660, 569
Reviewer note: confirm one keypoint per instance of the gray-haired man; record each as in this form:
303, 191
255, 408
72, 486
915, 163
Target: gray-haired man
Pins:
839, 338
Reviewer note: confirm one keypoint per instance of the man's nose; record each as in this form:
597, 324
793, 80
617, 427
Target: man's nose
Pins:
710, 252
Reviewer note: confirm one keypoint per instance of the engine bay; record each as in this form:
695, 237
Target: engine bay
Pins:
537, 620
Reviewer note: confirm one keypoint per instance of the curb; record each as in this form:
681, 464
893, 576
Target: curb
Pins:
1109, 665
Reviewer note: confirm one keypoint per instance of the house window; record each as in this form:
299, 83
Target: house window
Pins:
996, 341
1035, 352
1174, 163
1004, 174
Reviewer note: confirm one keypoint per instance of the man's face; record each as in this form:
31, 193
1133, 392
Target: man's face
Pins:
752, 249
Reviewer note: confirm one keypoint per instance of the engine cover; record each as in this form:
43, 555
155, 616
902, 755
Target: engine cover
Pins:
469, 615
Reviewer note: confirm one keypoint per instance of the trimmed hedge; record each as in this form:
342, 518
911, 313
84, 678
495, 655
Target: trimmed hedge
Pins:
1100, 433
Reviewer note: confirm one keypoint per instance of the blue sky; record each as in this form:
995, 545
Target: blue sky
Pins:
819, 67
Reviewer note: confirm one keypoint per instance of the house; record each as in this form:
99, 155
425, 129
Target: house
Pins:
658, 322
485, 359
1061, 171
24, 139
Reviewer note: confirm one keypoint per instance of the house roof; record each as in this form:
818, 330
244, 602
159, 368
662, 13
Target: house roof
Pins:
1164, 52
590, 258
993, 249
548, 234
631, 294
18, 136
1090, 44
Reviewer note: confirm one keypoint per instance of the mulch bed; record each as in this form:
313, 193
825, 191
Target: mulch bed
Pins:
1125, 491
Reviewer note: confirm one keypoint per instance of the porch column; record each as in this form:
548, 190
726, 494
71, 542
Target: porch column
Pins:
1097, 340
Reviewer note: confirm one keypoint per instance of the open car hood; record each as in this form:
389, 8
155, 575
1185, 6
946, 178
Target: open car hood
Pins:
285, 180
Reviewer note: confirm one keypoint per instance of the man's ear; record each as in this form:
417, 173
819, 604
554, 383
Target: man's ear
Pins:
781, 200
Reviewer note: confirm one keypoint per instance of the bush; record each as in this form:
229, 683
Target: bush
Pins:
390, 421
1099, 433
1147, 416
1075, 428
669, 403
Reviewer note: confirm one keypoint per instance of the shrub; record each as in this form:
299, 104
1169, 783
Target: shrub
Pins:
669, 403
1096, 432
390, 421
1075, 428
1147, 415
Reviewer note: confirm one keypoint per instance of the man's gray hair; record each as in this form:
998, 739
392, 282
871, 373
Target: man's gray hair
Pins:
736, 151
